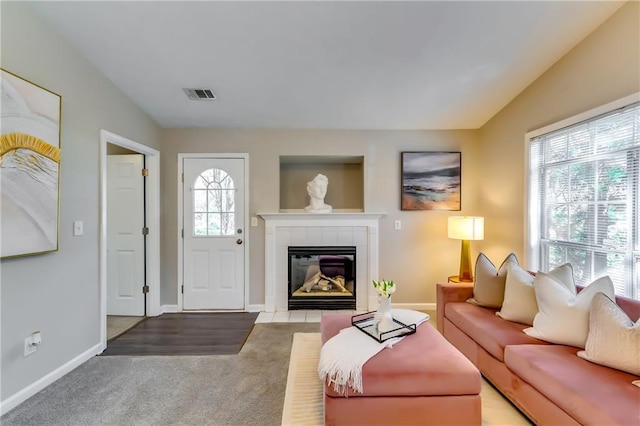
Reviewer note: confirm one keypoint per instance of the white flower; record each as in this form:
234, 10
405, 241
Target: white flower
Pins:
384, 288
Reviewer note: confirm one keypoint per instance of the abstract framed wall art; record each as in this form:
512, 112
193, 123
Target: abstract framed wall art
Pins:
29, 167
431, 180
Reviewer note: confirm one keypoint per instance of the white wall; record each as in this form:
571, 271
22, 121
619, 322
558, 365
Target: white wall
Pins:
57, 293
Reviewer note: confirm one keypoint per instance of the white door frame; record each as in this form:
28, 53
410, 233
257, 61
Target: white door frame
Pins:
181, 157
152, 158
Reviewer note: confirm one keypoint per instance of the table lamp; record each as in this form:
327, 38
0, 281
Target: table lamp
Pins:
465, 228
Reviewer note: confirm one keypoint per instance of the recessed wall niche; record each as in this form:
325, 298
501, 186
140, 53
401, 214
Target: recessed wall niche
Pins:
346, 181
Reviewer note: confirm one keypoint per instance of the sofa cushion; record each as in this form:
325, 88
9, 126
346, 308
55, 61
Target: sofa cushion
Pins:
488, 289
588, 392
613, 340
563, 274
563, 316
488, 330
519, 303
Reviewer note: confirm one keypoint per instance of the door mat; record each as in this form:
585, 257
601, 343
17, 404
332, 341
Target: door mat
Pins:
186, 334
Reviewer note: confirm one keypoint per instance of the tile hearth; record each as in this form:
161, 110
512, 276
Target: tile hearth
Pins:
298, 316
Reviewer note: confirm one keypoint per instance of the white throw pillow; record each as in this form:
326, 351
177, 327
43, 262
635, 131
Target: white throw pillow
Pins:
563, 316
488, 289
614, 340
564, 275
520, 303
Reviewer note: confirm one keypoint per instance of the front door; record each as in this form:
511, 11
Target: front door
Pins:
125, 240
213, 219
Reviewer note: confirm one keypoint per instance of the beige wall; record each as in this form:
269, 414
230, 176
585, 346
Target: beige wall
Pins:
416, 257
345, 190
604, 67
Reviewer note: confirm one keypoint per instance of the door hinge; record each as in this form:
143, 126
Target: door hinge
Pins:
145, 172
183, 233
145, 289
145, 231
182, 289
183, 177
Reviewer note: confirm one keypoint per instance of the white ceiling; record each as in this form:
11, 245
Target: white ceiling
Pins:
338, 65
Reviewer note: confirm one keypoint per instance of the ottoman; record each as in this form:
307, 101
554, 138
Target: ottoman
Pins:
422, 380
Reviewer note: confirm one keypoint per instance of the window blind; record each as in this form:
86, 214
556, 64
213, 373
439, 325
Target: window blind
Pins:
584, 191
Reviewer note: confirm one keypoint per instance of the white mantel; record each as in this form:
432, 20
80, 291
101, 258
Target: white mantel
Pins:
359, 229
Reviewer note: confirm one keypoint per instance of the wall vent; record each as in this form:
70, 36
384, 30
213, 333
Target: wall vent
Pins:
200, 94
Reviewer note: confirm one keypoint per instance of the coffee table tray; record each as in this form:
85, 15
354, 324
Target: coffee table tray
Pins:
366, 323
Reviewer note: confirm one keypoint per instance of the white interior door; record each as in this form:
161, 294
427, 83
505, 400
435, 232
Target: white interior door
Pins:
213, 249
125, 242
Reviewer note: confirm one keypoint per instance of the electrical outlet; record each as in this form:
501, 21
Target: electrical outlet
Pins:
398, 224
28, 347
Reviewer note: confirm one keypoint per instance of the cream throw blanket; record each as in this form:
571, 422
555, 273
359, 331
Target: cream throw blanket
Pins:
343, 356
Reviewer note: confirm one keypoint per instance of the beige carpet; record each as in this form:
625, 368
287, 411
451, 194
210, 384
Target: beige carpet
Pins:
303, 403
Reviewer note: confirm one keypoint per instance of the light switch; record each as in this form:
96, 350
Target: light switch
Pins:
254, 221
398, 224
78, 228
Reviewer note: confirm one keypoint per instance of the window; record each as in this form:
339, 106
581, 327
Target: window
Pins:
213, 204
584, 198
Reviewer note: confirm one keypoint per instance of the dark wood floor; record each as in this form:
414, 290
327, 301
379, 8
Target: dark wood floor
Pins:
185, 334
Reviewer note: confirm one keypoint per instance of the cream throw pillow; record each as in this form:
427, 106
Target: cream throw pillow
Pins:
563, 316
519, 296
613, 340
564, 275
488, 290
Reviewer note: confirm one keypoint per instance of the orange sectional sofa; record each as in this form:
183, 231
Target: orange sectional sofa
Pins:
549, 383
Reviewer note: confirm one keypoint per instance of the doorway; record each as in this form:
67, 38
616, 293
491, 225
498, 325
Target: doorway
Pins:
129, 234
213, 239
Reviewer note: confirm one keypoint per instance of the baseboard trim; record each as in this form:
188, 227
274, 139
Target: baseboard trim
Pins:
415, 306
19, 397
169, 309
255, 308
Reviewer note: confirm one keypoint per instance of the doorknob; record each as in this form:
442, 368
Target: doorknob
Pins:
239, 241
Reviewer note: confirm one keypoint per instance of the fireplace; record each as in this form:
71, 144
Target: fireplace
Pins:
322, 277
282, 230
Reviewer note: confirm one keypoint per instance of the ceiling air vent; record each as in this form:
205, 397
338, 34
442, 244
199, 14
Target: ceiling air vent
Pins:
200, 94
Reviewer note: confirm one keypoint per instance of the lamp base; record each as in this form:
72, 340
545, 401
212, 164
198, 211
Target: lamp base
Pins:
465, 262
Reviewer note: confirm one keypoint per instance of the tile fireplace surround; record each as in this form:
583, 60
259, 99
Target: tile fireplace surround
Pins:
328, 229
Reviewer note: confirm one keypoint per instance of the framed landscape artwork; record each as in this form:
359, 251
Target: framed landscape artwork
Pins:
29, 167
431, 180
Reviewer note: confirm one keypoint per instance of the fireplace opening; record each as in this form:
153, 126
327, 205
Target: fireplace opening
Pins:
322, 278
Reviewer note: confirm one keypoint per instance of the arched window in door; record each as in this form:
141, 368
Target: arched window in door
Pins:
213, 204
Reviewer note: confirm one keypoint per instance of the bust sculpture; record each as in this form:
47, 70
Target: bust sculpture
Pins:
317, 189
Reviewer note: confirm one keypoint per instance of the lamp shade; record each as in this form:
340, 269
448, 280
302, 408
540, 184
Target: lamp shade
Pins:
466, 228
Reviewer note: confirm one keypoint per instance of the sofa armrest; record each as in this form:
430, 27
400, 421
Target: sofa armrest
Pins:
453, 292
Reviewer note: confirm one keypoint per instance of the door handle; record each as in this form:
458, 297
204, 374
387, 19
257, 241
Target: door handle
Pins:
239, 241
